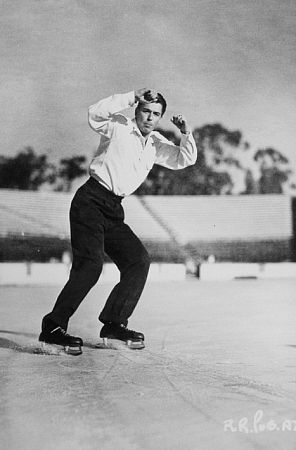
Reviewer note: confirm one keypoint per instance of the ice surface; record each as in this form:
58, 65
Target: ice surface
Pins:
219, 361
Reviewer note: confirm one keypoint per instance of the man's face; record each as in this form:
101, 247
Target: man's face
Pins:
147, 117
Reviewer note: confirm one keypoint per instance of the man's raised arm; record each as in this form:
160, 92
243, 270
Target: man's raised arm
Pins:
173, 156
101, 113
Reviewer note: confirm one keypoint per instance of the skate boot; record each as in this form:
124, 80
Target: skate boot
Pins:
54, 335
133, 339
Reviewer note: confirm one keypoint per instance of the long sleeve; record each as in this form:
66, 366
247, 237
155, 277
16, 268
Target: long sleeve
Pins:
173, 156
101, 114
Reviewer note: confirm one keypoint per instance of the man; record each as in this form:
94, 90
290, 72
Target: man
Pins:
126, 153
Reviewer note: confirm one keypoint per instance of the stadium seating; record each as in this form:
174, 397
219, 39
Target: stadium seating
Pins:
208, 218
233, 228
47, 214
34, 213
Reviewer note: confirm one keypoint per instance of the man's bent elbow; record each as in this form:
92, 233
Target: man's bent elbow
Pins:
187, 162
183, 166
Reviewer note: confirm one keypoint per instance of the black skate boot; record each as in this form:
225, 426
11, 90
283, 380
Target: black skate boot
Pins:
55, 335
133, 339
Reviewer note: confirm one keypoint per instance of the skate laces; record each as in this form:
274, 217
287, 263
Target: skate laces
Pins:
131, 331
61, 330
127, 329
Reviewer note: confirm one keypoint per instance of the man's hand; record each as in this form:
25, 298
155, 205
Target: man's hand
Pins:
146, 95
181, 123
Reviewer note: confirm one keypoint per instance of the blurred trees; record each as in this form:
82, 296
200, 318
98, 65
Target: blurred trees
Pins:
70, 168
29, 171
212, 174
26, 171
274, 171
226, 164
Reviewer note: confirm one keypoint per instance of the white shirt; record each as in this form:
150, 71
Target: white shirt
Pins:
123, 158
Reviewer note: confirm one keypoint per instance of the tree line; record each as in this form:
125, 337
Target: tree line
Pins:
226, 164
29, 171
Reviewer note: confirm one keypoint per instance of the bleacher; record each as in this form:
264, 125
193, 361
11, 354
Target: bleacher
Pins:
34, 213
212, 218
28, 213
233, 228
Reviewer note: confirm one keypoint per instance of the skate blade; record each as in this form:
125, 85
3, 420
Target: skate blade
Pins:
54, 349
115, 344
74, 351
135, 345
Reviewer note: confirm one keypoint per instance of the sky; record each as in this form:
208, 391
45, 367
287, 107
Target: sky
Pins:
227, 61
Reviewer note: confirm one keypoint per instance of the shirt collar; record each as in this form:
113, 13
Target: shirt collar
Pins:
135, 127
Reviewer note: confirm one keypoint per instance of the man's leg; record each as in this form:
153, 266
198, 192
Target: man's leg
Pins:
87, 238
132, 259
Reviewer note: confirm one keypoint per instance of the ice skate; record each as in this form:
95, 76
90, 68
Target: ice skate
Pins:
54, 336
112, 332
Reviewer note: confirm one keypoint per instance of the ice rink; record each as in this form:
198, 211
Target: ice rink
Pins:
218, 372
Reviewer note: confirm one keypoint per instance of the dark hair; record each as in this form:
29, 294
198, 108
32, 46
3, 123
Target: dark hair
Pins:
160, 99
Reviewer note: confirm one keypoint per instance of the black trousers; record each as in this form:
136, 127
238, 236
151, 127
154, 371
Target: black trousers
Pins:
97, 226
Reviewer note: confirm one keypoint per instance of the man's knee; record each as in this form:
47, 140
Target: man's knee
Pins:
94, 271
144, 261
88, 269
